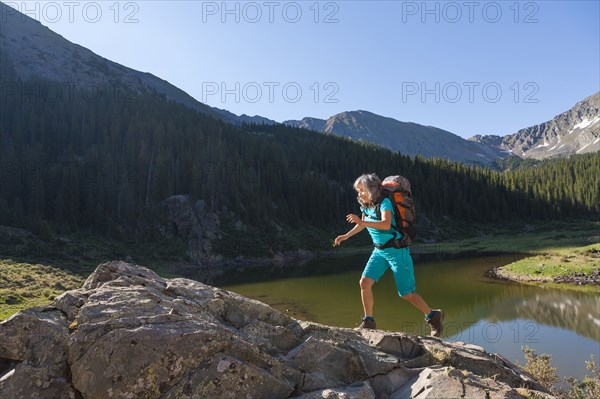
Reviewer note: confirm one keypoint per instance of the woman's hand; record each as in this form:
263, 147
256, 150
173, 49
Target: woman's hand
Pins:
338, 240
352, 218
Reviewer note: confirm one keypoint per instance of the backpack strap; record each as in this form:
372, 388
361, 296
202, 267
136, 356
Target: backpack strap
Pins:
378, 215
395, 243
392, 242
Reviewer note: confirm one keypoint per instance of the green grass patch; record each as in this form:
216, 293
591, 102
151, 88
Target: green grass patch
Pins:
23, 285
554, 263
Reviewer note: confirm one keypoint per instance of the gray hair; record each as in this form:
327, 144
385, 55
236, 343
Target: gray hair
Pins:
372, 184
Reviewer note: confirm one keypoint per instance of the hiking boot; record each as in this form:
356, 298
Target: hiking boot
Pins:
368, 324
435, 322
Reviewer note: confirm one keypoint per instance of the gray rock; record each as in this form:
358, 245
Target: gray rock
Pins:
359, 390
128, 333
449, 382
70, 302
387, 384
193, 222
317, 355
36, 336
33, 355
27, 381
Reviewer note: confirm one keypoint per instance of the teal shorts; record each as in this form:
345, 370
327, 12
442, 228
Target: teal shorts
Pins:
401, 263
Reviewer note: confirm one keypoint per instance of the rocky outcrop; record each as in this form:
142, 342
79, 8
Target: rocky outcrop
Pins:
127, 333
576, 131
194, 222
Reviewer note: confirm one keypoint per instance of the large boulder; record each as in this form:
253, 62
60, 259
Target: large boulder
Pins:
128, 333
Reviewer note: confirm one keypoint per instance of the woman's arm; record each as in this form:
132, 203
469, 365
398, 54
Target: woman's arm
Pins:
384, 224
355, 230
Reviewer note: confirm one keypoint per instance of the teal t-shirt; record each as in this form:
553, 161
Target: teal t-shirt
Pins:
380, 237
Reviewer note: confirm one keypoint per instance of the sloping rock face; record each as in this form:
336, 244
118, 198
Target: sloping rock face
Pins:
576, 131
193, 222
127, 333
37, 52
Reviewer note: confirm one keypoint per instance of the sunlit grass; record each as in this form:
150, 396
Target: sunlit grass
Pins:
555, 263
543, 266
23, 285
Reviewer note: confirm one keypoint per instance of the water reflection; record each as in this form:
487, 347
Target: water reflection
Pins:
574, 311
498, 315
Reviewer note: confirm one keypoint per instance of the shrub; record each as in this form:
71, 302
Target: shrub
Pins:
589, 387
540, 367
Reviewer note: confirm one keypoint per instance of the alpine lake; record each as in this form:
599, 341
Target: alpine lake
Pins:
500, 316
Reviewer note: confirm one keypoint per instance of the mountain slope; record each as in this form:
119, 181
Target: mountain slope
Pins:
39, 53
405, 137
576, 131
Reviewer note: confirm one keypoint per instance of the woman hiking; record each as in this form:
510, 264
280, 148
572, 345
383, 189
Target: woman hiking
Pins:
382, 230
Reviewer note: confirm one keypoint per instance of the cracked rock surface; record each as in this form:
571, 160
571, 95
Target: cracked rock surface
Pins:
128, 333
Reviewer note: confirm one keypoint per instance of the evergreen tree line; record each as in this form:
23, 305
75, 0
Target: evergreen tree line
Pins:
103, 162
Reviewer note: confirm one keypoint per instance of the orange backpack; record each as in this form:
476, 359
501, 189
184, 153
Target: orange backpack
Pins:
397, 189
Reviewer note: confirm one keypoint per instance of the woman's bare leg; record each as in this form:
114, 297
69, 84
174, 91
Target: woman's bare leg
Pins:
418, 302
366, 294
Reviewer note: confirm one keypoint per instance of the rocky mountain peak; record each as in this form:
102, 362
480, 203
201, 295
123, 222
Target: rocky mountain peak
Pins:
576, 131
405, 137
491, 140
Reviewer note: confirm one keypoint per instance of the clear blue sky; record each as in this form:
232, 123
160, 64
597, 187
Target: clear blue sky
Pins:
469, 67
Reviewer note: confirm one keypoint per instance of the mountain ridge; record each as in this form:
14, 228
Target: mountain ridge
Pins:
37, 51
408, 138
575, 131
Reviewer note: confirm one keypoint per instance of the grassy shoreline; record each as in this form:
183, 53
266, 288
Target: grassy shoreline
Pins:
571, 267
